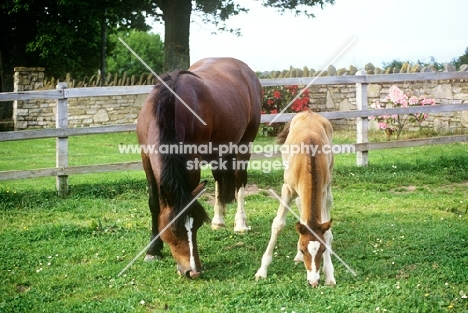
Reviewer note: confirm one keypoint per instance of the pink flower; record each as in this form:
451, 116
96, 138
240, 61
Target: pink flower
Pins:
375, 104
396, 95
413, 100
383, 125
427, 101
403, 102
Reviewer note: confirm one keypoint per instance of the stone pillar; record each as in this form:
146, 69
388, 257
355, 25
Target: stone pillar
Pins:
25, 79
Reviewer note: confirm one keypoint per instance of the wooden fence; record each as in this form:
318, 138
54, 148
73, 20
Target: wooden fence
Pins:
362, 146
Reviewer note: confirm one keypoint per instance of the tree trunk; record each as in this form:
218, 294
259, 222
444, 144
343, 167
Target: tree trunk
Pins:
176, 15
103, 46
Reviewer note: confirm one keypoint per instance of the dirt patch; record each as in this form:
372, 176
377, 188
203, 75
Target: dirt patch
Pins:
22, 288
404, 189
250, 189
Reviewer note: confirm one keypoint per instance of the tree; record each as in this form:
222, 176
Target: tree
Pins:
461, 60
148, 46
62, 36
176, 17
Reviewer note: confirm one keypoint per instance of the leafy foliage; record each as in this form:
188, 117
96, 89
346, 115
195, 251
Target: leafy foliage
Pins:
462, 59
147, 45
299, 7
397, 64
63, 36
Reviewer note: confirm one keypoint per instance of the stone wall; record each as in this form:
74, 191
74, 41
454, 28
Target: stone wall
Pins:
111, 110
328, 98
82, 112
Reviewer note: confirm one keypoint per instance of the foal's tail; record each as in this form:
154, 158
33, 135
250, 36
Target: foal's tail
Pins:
281, 137
174, 181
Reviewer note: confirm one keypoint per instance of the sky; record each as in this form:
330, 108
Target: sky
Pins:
375, 31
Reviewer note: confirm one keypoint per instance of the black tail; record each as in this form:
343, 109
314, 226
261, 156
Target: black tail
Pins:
174, 181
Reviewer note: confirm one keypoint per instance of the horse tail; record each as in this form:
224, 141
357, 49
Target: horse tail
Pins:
174, 178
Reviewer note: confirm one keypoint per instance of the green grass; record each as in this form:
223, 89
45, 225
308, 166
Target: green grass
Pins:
401, 224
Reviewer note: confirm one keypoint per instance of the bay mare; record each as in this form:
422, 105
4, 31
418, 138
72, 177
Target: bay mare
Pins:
226, 95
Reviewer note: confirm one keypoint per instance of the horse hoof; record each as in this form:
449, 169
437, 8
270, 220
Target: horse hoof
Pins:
330, 283
217, 226
241, 230
194, 274
261, 274
150, 258
189, 274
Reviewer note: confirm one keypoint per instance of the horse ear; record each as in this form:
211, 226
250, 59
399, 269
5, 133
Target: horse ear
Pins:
326, 226
300, 228
199, 188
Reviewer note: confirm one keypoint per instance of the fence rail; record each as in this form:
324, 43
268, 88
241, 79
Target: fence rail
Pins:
62, 132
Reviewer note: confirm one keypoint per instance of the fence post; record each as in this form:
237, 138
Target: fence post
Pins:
361, 122
61, 121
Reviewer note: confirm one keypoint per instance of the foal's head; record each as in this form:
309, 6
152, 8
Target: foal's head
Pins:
312, 247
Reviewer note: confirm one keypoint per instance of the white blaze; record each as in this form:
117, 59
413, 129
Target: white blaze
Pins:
313, 275
189, 226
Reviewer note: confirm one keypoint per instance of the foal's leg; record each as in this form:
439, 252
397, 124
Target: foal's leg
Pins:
276, 227
328, 268
299, 255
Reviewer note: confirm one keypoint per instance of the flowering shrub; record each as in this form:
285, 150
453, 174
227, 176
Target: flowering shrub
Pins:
394, 124
275, 99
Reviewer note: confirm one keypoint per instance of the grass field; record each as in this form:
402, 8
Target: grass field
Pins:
401, 224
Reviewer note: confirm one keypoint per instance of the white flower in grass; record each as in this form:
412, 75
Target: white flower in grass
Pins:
142, 302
